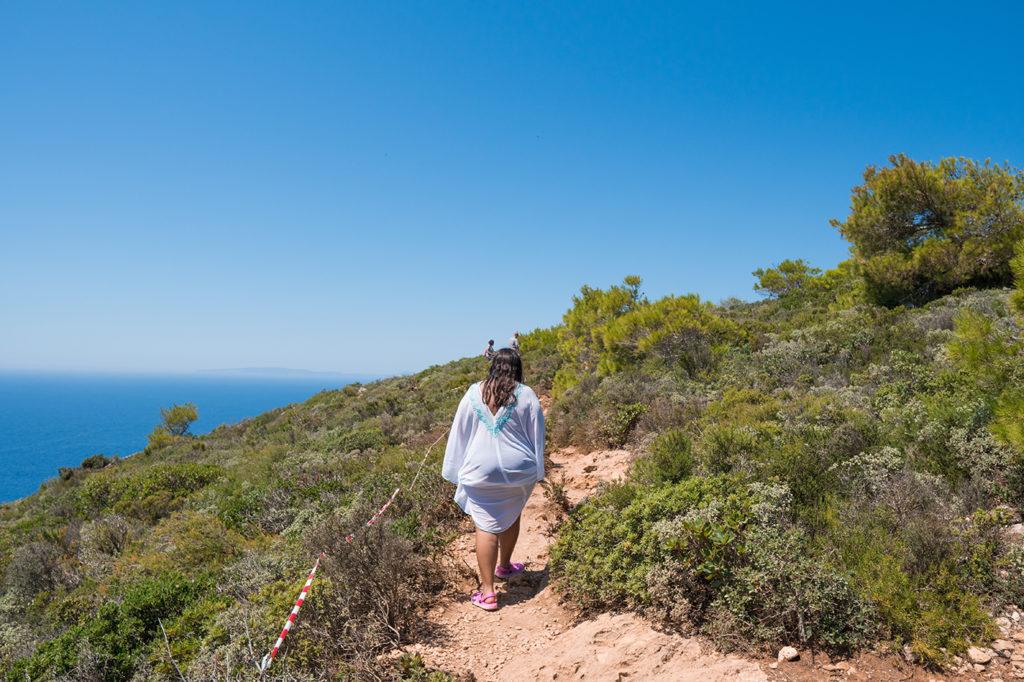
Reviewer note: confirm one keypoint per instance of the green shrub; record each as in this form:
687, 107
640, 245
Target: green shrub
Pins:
358, 439
608, 545
786, 280
679, 332
412, 669
601, 412
783, 592
189, 542
158, 439
541, 358
724, 448
949, 620
716, 554
617, 429
932, 606
240, 505
669, 460
97, 461
579, 337
149, 493
187, 634
120, 633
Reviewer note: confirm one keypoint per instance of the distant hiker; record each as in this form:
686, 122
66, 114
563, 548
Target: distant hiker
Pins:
489, 352
495, 455
513, 343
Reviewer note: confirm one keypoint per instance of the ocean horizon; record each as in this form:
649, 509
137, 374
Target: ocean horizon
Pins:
50, 420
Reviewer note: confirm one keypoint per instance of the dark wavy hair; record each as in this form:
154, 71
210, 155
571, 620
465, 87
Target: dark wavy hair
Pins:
505, 373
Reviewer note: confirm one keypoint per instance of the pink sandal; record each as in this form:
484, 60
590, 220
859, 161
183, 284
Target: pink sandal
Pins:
514, 568
488, 602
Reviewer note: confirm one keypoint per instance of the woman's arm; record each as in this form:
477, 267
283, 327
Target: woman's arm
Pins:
458, 441
535, 428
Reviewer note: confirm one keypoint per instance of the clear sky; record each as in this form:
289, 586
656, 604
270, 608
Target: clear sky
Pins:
378, 186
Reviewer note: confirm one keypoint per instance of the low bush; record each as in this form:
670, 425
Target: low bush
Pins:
118, 638
368, 600
35, 567
668, 460
97, 461
716, 554
784, 592
148, 493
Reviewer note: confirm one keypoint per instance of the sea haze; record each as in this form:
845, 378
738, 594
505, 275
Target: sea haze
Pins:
50, 420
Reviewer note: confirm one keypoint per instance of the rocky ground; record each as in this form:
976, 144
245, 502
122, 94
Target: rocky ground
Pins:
1004, 657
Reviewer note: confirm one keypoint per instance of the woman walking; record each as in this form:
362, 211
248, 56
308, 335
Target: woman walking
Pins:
495, 455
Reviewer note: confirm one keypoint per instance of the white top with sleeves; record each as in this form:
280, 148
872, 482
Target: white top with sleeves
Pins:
495, 459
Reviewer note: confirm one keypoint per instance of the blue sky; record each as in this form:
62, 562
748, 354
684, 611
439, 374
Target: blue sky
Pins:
375, 187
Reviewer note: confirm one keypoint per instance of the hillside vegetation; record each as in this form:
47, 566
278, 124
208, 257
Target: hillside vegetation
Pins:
838, 465
830, 467
210, 538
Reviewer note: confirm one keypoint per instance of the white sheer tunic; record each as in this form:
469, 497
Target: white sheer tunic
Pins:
495, 459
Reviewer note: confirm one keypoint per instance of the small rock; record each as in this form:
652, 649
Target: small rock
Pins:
1016, 530
773, 665
842, 666
977, 655
788, 653
908, 654
1018, 636
978, 667
1002, 646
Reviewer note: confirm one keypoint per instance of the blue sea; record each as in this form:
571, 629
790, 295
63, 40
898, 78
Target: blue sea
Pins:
53, 420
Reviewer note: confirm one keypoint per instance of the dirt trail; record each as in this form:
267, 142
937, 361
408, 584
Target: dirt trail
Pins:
533, 637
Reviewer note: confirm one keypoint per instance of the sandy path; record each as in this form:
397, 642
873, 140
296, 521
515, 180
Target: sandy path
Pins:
534, 637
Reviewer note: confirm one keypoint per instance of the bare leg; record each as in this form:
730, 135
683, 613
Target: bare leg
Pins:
486, 558
507, 543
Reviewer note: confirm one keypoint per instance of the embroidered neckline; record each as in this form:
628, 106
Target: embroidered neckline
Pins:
493, 423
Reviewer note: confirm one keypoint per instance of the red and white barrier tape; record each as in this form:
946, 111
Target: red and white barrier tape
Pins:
294, 615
